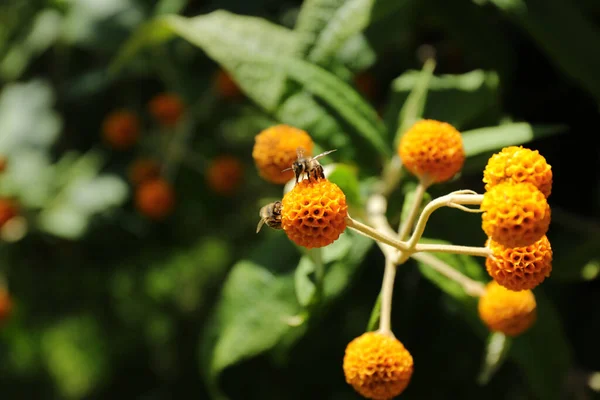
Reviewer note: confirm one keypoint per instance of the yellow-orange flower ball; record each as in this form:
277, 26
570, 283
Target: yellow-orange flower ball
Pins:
506, 311
520, 268
121, 129
225, 174
226, 87
8, 210
432, 150
377, 366
166, 108
517, 164
155, 199
142, 170
313, 213
515, 214
275, 149
5, 305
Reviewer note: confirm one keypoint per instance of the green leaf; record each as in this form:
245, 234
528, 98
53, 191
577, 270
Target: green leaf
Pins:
482, 140
260, 64
567, 47
251, 317
238, 43
496, 351
413, 107
581, 262
375, 315
312, 19
75, 355
350, 18
456, 99
306, 284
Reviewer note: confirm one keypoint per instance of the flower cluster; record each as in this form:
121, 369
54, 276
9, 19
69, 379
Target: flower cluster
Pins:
313, 214
515, 217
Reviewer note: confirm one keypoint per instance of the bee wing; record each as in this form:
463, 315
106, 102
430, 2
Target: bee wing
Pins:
260, 225
300, 152
323, 154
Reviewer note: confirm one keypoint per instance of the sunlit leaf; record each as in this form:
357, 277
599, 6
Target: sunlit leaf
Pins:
481, 140
496, 351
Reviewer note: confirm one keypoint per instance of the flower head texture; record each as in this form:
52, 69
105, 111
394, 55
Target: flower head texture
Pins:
432, 150
121, 129
518, 164
166, 108
520, 268
155, 199
506, 311
515, 214
8, 210
377, 366
225, 174
142, 170
314, 213
276, 148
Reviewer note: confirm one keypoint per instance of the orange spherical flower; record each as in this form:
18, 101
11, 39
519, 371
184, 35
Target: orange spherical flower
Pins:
432, 150
143, 169
378, 366
518, 164
155, 199
275, 149
8, 210
226, 87
515, 214
507, 311
520, 268
121, 129
313, 213
6, 304
225, 174
167, 108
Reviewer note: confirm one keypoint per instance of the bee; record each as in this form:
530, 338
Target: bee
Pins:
270, 215
308, 165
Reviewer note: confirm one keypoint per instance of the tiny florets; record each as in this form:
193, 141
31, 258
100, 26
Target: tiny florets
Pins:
507, 311
518, 164
520, 268
377, 366
432, 150
276, 148
515, 214
166, 108
155, 199
121, 129
225, 174
314, 213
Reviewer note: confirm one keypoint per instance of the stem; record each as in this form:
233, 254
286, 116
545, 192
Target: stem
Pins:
374, 234
448, 200
450, 248
470, 286
406, 225
387, 291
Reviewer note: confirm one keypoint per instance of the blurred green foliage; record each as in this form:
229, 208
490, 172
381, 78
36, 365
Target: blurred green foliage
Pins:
108, 302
